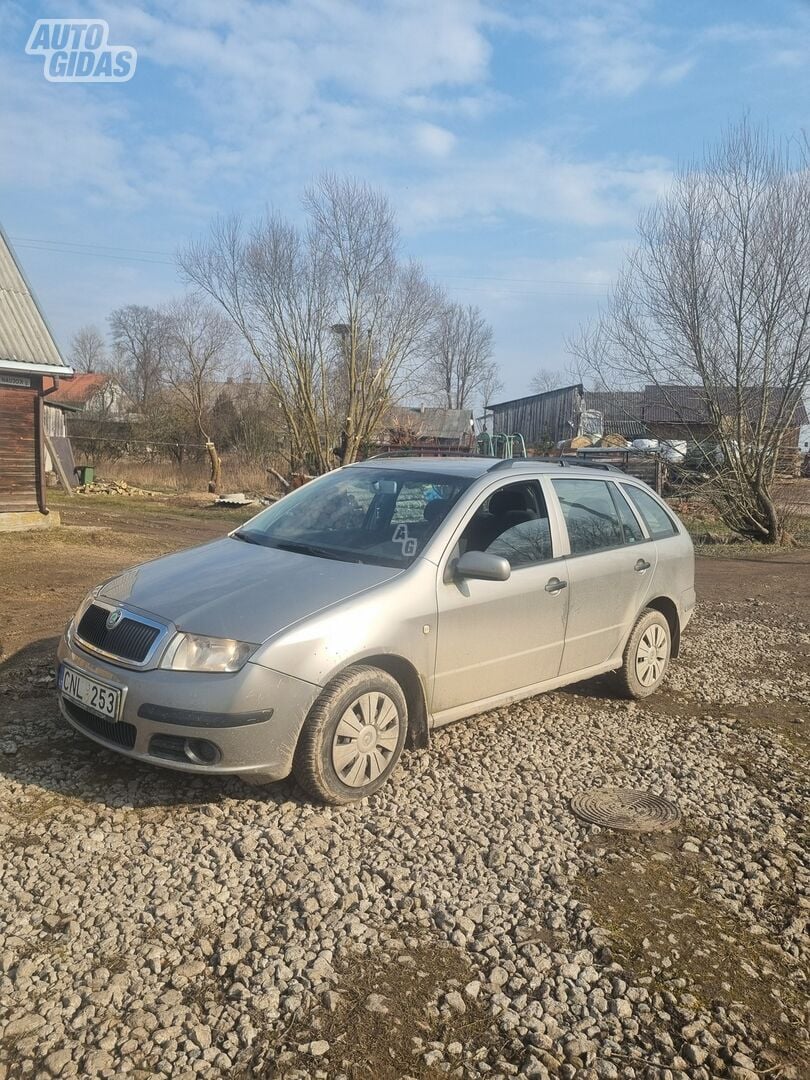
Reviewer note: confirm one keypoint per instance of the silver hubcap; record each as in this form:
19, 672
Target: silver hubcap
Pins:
651, 656
365, 739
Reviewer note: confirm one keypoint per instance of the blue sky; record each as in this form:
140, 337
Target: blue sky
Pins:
517, 140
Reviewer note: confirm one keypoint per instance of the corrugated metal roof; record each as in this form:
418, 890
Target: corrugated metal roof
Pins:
673, 403
25, 337
536, 397
616, 405
680, 404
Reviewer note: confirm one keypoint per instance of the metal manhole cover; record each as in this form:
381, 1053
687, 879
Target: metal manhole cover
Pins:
621, 808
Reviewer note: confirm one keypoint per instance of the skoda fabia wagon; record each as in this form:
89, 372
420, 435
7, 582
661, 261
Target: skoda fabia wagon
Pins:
372, 606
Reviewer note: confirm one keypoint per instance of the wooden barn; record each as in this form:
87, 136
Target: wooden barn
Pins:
656, 412
28, 356
542, 419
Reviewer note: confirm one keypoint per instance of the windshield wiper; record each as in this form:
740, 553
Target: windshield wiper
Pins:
313, 549
247, 538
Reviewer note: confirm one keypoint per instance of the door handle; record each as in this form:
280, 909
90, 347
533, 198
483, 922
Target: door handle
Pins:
641, 566
554, 585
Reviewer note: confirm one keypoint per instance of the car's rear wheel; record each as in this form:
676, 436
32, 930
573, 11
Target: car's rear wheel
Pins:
646, 655
353, 736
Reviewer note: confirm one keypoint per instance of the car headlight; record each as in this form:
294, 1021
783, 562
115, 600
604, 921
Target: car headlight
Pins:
194, 652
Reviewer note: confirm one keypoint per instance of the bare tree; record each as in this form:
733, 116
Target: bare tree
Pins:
88, 350
200, 348
460, 366
384, 308
333, 319
551, 379
491, 387
717, 296
140, 342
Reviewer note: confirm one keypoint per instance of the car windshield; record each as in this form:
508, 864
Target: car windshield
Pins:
369, 515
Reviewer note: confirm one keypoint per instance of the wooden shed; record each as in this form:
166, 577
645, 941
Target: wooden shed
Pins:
28, 355
542, 419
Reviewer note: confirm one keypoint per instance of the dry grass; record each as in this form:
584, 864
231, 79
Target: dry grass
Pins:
712, 536
168, 476
80, 536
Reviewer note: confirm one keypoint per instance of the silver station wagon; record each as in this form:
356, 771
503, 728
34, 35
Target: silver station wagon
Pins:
372, 606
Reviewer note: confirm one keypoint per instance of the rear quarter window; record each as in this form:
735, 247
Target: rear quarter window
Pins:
659, 523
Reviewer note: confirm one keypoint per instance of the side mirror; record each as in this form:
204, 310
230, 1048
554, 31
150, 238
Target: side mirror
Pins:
480, 564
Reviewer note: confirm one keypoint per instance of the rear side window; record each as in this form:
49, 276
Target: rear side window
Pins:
590, 515
659, 524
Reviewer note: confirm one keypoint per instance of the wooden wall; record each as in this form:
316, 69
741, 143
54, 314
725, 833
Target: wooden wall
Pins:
542, 419
19, 455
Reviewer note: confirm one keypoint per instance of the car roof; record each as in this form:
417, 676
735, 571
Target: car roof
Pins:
475, 466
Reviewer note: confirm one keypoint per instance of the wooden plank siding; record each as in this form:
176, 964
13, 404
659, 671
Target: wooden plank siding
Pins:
542, 419
20, 457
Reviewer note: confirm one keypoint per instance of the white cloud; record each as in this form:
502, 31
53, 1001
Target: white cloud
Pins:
59, 139
784, 45
284, 90
527, 179
433, 140
297, 50
610, 48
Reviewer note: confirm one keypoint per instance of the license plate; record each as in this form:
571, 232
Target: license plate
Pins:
95, 696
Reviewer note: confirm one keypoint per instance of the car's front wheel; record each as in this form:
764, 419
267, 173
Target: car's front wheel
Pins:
353, 736
646, 655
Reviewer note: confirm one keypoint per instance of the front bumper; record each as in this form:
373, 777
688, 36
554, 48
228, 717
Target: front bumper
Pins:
253, 717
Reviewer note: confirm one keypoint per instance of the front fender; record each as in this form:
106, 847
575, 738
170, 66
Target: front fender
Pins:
398, 618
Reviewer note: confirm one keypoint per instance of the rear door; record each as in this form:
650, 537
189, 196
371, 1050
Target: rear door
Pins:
610, 565
675, 571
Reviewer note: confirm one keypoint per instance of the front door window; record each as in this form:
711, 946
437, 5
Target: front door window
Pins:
513, 523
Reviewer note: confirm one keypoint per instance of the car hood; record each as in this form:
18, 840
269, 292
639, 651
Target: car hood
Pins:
232, 589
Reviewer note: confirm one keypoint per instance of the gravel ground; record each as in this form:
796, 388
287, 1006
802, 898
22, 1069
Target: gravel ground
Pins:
461, 923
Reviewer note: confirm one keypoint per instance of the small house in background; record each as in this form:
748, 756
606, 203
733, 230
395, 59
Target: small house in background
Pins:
93, 393
29, 356
424, 428
84, 414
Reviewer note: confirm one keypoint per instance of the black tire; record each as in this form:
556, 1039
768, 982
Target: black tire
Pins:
650, 632
318, 765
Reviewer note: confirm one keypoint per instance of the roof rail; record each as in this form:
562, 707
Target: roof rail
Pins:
507, 463
564, 461
420, 453
568, 461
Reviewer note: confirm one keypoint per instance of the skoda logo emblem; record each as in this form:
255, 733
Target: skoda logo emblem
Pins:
114, 618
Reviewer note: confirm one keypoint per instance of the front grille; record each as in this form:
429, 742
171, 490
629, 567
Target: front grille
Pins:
120, 734
130, 639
